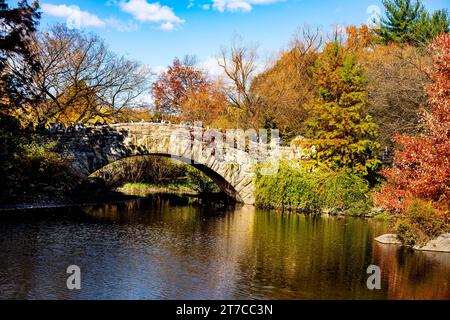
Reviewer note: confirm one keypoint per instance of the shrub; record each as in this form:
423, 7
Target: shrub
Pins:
296, 187
29, 165
38, 168
405, 233
420, 223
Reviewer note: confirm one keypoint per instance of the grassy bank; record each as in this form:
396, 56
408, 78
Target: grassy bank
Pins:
145, 189
295, 187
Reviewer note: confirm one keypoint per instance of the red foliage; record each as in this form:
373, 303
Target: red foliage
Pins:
174, 85
421, 166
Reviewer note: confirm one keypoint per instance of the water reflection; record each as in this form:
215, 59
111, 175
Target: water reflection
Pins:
166, 248
414, 275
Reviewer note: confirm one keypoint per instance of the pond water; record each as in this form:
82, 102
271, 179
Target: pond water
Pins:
179, 248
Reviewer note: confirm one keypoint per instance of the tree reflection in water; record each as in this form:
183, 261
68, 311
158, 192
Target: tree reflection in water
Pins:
179, 248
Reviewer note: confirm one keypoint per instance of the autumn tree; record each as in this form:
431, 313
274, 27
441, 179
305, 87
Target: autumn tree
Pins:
408, 21
205, 104
284, 89
396, 78
80, 78
174, 85
338, 126
239, 63
17, 26
80, 104
396, 89
421, 167
360, 39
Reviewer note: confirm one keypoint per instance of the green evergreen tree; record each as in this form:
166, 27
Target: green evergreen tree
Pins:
337, 126
429, 26
408, 21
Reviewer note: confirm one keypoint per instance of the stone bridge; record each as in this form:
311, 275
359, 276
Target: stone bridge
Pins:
229, 161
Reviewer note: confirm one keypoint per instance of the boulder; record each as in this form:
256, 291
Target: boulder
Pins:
388, 239
440, 244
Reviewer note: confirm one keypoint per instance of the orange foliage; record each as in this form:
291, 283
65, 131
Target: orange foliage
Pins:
205, 104
360, 38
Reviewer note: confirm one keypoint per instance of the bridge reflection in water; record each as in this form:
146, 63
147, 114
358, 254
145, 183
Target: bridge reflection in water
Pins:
175, 248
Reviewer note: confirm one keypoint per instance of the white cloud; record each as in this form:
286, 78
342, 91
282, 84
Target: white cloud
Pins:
151, 12
239, 5
167, 26
206, 6
74, 16
77, 18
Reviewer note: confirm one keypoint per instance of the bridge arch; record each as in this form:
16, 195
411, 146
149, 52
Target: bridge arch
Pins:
93, 148
224, 185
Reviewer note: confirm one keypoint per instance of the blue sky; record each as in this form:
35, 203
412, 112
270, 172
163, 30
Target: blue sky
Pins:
154, 32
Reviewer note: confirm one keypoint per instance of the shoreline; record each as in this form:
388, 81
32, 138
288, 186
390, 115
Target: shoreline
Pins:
39, 202
440, 244
42, 202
